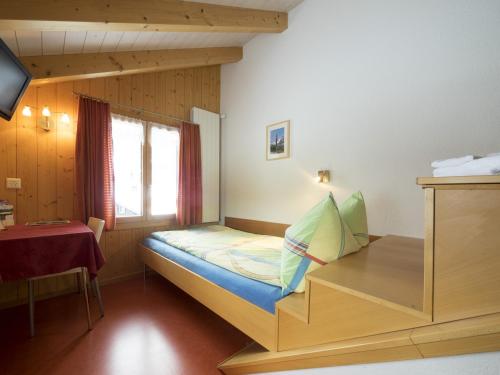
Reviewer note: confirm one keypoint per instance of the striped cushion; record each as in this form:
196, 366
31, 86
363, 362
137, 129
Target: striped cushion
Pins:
353, 211
321, 236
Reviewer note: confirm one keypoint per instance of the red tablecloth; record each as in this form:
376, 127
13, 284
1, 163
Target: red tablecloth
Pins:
29, 251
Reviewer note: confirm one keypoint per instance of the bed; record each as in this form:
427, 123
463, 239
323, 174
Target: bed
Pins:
245, 302
261, 294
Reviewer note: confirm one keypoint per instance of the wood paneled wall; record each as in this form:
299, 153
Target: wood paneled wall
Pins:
45, 160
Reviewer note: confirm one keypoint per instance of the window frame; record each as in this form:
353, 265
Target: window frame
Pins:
146, 219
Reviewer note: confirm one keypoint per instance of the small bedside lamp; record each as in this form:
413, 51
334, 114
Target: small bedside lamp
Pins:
323, 176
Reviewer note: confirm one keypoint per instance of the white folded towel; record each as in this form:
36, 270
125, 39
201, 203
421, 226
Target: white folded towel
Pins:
454, 162
479, 167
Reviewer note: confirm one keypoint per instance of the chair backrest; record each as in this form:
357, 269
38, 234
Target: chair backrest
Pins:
96, 225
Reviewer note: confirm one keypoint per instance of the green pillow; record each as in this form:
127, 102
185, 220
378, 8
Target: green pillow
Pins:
353, 211
318, 238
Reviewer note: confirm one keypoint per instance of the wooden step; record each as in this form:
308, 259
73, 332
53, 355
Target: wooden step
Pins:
389, 271
369, 274
377, 290
481, 334
255, 359
295, 305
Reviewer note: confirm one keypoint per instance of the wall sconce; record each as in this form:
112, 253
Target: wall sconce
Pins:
46, 112
27, 111
323, 176
45, 121
65, 118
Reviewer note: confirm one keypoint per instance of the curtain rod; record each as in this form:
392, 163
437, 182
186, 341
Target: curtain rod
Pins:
141, 110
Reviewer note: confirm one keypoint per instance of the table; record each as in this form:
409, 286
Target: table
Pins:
31, 251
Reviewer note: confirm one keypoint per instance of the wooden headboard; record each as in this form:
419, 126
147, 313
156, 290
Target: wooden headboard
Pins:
255, 226
264, 227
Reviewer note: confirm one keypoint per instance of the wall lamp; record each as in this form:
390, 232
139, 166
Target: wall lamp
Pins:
323, 176
45, 121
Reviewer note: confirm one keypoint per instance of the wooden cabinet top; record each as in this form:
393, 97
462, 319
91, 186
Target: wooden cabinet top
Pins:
433, 181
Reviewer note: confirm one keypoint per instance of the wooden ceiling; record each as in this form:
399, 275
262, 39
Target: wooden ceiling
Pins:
36, 43
55, 39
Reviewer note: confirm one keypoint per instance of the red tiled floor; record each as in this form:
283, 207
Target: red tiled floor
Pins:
156, 329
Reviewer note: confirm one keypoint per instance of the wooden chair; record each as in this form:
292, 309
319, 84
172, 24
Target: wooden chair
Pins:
96, 225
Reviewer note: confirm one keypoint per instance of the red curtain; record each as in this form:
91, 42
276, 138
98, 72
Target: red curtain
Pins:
94, 162
189, 201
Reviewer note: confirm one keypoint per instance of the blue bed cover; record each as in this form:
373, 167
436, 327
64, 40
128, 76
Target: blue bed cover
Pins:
259, 293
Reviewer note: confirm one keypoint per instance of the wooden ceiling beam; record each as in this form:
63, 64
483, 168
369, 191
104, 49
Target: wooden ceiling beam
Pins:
57, 68
136, 15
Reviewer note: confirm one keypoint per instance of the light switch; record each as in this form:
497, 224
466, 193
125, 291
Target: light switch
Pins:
13, 183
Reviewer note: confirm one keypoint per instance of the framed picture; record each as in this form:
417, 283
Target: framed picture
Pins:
278, 140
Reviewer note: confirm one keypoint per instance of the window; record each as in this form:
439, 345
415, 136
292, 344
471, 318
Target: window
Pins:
145, 158
128, 150
164, 144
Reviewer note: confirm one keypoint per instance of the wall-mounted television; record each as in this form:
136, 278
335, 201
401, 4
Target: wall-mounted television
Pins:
14, 80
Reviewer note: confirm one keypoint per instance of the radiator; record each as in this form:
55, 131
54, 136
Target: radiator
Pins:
209, 123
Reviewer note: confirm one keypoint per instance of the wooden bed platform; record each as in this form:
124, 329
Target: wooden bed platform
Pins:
255, 322
398, 298
247, 317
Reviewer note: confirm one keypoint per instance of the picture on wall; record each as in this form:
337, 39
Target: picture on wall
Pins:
278, 140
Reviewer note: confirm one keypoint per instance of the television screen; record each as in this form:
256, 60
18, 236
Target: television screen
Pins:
14, 80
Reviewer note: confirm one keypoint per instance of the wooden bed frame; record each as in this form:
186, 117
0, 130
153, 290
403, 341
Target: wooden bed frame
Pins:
252, 320
255, 322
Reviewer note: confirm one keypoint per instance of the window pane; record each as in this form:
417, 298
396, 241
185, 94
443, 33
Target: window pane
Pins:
128, 140
164, 164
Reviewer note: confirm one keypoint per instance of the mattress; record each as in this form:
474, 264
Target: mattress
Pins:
255, 256
256, 292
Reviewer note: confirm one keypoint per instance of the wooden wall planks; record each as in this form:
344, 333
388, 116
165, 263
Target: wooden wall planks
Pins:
45, 160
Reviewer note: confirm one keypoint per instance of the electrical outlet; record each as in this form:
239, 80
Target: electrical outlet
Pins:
13, 183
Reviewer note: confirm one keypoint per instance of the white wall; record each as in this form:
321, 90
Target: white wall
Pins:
477, 364
374, 90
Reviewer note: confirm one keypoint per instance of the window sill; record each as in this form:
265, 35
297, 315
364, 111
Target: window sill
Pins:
169, 220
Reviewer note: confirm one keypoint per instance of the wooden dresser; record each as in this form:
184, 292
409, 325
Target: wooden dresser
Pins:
462, 240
